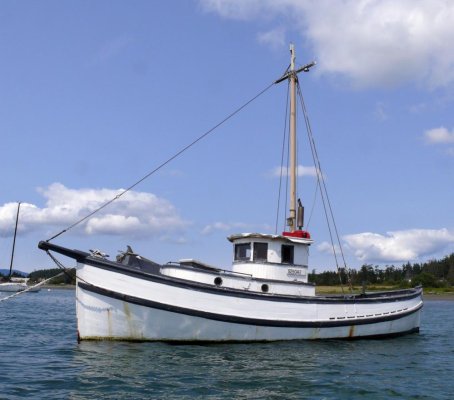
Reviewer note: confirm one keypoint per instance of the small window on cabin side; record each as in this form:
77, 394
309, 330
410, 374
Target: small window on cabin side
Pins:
260, 251
243, 251
287, 254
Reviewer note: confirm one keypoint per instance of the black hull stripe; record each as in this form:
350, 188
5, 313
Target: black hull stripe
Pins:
224, 291
240, 320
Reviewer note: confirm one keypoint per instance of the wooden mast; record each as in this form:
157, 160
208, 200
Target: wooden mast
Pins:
291, 221
291, 75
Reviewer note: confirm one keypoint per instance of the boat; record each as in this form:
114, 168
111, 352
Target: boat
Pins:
265, 296
12, 286
9, 284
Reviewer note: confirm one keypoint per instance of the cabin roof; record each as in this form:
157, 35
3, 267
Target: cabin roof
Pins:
268, 237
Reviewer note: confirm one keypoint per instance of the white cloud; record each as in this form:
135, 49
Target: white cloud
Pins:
370, 42
275, 37
233, 8
399, 246
327, 248
113, 223
222, 226
439, 135
380, 111
418, 108
111, 49
135, 213
301, 171
233, 227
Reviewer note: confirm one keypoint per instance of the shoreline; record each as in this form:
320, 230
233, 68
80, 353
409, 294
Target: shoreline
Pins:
438, 296
62, 286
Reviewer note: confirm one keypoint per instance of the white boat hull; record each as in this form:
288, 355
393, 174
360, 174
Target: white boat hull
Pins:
12, 287
101, 318
118, 306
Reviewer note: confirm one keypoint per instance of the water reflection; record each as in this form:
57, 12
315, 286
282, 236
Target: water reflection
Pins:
42, 359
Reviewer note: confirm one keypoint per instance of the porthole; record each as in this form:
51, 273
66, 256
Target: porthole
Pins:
265, 288
218, 281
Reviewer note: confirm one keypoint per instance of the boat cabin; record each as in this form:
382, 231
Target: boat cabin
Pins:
276, 257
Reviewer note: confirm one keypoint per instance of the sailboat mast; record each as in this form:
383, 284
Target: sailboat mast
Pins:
14, 243
291, 221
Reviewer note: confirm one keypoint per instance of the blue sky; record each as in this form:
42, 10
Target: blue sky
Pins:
96, 94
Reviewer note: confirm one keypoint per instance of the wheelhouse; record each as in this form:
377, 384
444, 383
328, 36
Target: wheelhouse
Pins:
277, 257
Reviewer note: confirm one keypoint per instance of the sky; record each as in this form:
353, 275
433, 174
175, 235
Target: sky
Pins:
94, 95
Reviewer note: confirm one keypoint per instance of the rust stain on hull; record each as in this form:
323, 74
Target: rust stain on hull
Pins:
109, 322
351, 332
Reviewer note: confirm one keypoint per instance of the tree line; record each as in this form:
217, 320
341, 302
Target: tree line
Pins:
433, 273
69, 277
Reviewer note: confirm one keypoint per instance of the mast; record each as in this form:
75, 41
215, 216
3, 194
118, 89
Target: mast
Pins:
291, 220
14, 243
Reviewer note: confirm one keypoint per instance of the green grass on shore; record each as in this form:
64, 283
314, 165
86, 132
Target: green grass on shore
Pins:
357, 289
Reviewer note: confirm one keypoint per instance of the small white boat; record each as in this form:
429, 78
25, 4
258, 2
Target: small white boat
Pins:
12, 286
264, 297
15, 284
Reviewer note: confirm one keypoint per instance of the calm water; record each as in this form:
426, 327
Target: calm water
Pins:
40, 358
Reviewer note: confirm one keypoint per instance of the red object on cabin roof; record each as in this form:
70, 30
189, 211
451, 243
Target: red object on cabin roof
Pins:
298, 234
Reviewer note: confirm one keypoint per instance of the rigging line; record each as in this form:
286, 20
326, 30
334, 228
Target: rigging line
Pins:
63, 268
164, 163
320, 178
313, 203
287, 181
59, 265
31, 287
326, 193
282, 160
333, 220
297, 146
285, 209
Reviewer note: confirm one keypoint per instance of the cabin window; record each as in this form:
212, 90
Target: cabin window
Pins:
287, 254
243, 251
260, 251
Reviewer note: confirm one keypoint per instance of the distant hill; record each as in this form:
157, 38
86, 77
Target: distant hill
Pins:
5, 272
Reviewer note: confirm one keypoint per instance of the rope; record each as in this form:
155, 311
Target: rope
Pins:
177, 154
32, 287
324, 195
63, 272
61, 266
282, 162
313, 204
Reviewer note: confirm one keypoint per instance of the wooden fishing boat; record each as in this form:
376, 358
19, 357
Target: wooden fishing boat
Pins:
265, 296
